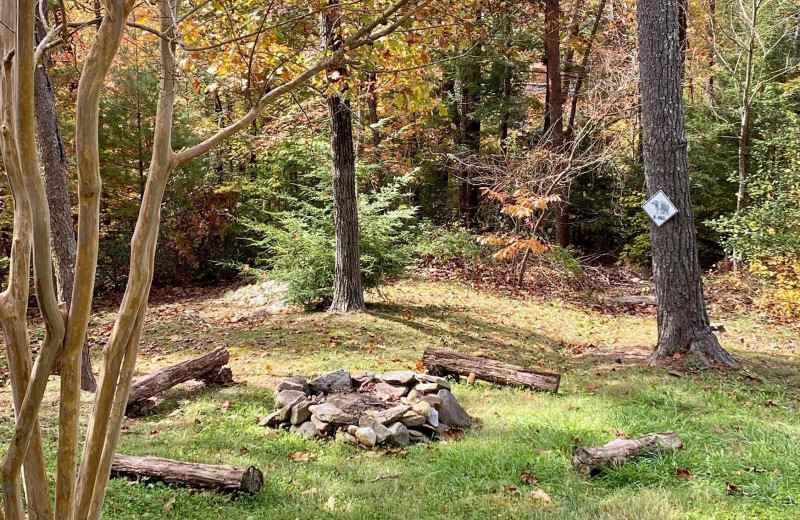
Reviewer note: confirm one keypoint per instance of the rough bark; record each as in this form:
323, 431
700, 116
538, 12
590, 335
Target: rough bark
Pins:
556, 114
52, 161
348, 292
205, 367
592, 460
683, 323
444, 362
191, 474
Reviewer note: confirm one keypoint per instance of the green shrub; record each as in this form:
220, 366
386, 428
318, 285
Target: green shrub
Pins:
454, 243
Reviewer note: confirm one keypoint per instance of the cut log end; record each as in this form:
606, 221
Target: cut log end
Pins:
252, 480
592, 460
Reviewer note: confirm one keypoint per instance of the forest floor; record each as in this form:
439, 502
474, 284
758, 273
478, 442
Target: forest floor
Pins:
741, 458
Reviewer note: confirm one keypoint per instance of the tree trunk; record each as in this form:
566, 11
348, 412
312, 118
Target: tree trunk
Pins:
202, 476
52, 161
469, 190
591, 460
683, 323
348, 293
207, 366
443, 362
555, 112
584, 71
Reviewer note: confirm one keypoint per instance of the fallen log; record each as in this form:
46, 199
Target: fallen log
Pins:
592, 460
630, 300
442, 362
191, 474
209, 368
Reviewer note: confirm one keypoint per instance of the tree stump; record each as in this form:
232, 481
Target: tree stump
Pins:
592, 460
442, 362
191, 474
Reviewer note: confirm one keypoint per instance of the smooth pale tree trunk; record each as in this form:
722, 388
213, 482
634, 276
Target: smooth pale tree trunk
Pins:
52, 161
556, 114
348, 292
683, 323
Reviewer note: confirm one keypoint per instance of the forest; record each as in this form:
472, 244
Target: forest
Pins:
391, 259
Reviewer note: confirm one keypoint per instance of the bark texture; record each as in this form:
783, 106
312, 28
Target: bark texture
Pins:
443, 362
470, 138
205, 367
52, 161
591, 460
556, 114
203, 476
348, 292
683, 323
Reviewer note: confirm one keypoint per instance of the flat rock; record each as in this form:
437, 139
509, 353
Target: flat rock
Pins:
440, 381
398, 377
390, 391
392, 414
367, 437
306, 429
416, 436
427, 388
332, 382
271, 420
328, 413
400, 435
382, 433
451, 412
300, 412
298, 383
412, 420
422, 408
343, 436
322, 426
288, 397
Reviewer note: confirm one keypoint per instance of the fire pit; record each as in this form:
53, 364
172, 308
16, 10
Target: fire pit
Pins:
395, 408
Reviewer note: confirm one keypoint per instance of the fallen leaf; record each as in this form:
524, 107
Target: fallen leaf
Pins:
168, 506
310, 491
778, 473
301, 456
511, 490
733, 489
528, 477
420, 365
330, 505
591, 387
387, 477
245, 450
453, 434
540, 495
685, 474
225, 406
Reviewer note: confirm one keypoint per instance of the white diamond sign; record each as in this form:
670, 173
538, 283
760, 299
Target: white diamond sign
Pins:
659, 208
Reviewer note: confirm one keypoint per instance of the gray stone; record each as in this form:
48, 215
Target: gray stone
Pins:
416, 436
398, 377
411, 420
343, 436
298, 383
332, 382
433, 420
287, 397
390, 391
400, 435
426, 388
434, 401
392, 414
300, 412
331, 414
322, 426
306, 429
452, 413
440, 381
382, 433
272, 420
367, 437
284, 413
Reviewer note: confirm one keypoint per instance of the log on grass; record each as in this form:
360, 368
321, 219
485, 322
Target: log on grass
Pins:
190, 474
208, 368
444, 362
592, 460
630, 300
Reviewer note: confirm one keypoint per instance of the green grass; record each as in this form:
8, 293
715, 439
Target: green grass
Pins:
737, 429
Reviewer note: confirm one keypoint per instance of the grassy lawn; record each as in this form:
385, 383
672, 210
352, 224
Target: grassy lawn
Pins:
740, 429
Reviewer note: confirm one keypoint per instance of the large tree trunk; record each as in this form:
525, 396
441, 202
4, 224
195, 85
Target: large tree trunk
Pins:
348, 293
52, 161
555, 112
683, 323
445, 362
203, 476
